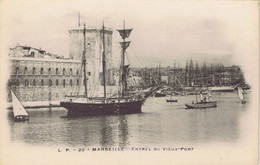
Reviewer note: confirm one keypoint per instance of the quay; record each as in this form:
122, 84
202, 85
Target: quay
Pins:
36, 104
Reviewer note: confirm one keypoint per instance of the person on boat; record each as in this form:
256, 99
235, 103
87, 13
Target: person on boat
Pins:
201, 100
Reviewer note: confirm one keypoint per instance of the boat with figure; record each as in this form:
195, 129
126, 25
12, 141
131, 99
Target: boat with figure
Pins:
19, 112
241, 95
123, 103
203, 103
159, 94
171, 99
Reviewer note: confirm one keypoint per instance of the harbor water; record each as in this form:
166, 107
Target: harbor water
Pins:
160, 124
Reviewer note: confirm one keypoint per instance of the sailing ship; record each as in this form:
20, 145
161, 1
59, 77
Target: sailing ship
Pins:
122, 104
203, 103
19, 112
241, 95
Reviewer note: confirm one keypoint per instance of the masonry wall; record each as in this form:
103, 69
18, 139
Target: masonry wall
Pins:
43, 80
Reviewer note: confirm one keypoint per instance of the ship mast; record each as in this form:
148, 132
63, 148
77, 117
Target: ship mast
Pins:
124, 33
84, 60
104, 61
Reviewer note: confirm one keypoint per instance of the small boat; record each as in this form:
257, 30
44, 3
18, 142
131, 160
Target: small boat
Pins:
159, 94
20, 113
241, 95
171, 100
199, 105
203, 103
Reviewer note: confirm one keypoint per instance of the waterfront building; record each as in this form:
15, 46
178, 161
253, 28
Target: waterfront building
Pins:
37, 75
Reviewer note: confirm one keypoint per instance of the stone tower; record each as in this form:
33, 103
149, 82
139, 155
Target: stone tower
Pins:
94, 49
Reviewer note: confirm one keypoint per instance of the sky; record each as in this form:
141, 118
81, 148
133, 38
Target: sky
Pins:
163, 32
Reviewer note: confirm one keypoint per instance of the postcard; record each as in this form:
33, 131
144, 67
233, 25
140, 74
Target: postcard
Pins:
129, 82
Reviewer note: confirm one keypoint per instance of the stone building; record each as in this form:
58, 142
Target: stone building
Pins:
36, 75
38, 79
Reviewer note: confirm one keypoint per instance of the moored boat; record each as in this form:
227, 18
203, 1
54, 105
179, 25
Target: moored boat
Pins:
123, 104
198, 105
203, 103
159, 94
171, 100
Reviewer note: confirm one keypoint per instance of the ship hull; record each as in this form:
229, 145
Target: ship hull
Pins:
201, 105
76, 109
159, 95
222, 89
171, 100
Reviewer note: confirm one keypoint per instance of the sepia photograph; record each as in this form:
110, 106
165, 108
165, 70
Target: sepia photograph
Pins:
129, 82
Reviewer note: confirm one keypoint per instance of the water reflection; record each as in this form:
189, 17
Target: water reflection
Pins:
160, 123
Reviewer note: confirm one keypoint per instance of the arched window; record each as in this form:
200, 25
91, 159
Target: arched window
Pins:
57, 82
17, 70
64, 83
77, 81
25, 70
33, 70
70, 71
63, 72
26, 82
49, 95
50, 83
17, 82
49, 71
77, 71
70, 82
41, 70
34, 82
42, 82
57, 71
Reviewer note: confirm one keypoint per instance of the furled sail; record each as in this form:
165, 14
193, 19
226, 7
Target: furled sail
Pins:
126, 70
125, 45
18, 108
125, 33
